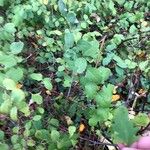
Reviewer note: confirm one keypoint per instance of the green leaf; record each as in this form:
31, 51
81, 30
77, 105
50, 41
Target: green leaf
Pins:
121, 63
37, 98
83, 25
130, 64
111, 6
71, 130
61, 68
36, 76
15, 74
143, 65
64, 143
91, 90
133, 29
67, 81
16, 47
97, 75
93, 75
102, 114
40, 110
2, 135
71, 18
30, 142
123, 129
90, 49
111, 47
120, 2
105, 73
57, 32
1, 2
83, 45
80, 64
117, 39
93, 120
10, 27
17, 95
6, 106
13, 113
9, 84
54, 122
37, 118
1, 19
77, 35
108, 59
19, 16
62, 7
69, 39
24, 108
104, 97
14, 139
16, 130
8, 61
42, 134
47, 83
55, 135
4, 146
128, 5
141, 120
2, 77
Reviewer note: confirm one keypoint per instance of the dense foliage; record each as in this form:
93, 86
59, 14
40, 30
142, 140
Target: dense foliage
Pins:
72, 71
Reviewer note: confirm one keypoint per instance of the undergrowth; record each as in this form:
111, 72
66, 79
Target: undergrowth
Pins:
72, 72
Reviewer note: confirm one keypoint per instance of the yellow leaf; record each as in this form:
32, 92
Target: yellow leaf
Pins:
68, 120
115, 90
45, 2
115, 97
34, 44
142, 91
81, 127
144, 23
48, 92
19, 86
141, 54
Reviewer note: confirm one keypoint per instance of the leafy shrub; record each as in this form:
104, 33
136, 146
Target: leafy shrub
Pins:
60, 63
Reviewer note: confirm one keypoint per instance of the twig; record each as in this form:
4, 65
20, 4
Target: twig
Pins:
134, 38
98, 142
131, 91
101, 47
145, 110
143, 105
142, 130
137, 96
29, 56
107, 138
129, 39
68, 94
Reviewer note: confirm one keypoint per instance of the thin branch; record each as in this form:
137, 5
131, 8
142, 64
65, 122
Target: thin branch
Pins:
131, 91
137, 96
134, 38
98, 142
142, 130
107, 138
101, 47
69, 91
